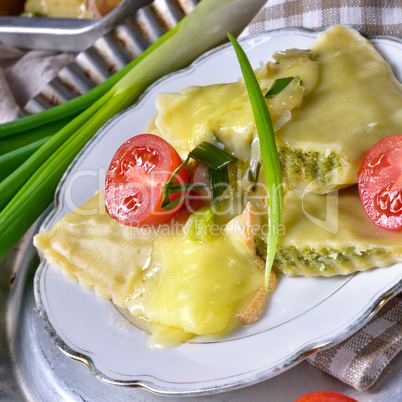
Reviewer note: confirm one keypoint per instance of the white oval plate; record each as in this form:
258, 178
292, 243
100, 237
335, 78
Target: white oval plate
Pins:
304, 315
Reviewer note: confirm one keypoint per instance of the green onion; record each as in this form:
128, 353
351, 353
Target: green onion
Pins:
212, 156
171, 187
215, 159
70, 109
30, 189
278, 86
272, 169
12, 160
219, 182
199, 224
14, 142
217, 162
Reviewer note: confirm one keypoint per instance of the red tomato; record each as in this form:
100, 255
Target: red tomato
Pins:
325, 396
133, 189
380, 183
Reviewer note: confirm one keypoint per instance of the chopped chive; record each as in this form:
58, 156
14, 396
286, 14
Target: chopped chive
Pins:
166, 204
177, 188
278, 86
219, 182
269, 152
212, 156
253, 171
199, 223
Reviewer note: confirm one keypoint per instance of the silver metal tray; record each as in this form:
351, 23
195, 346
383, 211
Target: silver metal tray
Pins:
64, 34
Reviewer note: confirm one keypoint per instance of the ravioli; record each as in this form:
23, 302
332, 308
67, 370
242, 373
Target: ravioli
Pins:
332, 235
344, 99
94, 249
351, 100
223, 111
156, 274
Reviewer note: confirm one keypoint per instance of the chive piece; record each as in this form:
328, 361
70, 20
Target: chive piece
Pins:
177, 188
269, 152
254, 171
278, 86
212, 156
171, 187
165, 203
219, 182
199, 223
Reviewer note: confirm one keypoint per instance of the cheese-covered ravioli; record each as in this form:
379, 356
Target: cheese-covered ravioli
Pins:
223, 111
332, 234
348, 99
96, 250
179, 286
357, 102
197, 287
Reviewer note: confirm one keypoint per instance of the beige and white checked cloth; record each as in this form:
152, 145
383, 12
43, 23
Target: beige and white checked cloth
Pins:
360, 359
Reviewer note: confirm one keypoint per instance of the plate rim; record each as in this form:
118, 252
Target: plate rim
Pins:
261, 375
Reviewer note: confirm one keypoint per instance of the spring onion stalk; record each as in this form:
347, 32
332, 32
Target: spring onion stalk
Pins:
37, 178
14, 142
10, 161
73, 107
269, 152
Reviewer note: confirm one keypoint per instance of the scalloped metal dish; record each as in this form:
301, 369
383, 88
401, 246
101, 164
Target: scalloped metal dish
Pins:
106, 45
70, 34
342, 319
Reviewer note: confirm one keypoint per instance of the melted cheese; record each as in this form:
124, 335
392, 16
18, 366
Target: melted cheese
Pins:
198, 287
224, 111
330, 235
351, 100
174, 283
358, 102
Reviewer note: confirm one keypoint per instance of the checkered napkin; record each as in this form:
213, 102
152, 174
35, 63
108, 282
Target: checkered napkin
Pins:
360, 359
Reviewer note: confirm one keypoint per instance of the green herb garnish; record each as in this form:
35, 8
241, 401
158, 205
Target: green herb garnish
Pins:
272, 169
199, 223
171, 187
219, 182
212, 156
217, 162
278, 86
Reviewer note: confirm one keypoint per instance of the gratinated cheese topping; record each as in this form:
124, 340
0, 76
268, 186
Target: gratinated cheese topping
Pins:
348, 99
180, 286
330, 235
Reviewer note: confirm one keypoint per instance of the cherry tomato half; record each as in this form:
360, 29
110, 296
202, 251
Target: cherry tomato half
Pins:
137, 172
325, 396
380, 183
